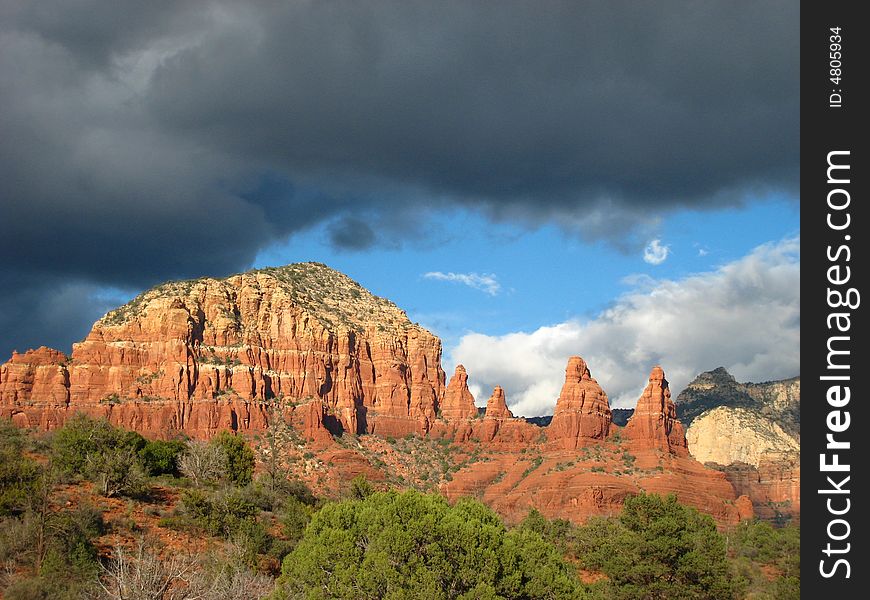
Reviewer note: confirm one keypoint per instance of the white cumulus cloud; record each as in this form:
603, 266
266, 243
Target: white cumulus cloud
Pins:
486, 282
655, 253
745, 316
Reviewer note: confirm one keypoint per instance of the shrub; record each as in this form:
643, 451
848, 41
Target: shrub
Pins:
16, 539
414, 545
299, 490
754, 544
70, 548
142, 574
56, 549
218, 514
360, 488
240, 457
294, 519
223, 578
104, 454
117, 471
43, 588
161, 457
18, 474
556, 531
657, 548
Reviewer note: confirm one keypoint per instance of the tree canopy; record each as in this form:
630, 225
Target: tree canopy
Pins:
401, 545
657, 549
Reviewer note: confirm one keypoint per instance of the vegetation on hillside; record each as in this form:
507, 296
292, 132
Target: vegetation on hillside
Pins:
93, 511
334, 299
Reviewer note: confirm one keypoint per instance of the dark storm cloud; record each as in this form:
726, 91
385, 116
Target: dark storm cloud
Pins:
42, 310
351, 233
143, 141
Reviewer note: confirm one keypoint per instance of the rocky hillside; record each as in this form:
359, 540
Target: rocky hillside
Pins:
306, 347
726, 435
751, 432
777, 400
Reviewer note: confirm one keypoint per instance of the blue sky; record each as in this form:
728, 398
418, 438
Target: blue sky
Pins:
545, 275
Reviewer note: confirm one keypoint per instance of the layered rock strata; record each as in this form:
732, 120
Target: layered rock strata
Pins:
776, 400
300, 332
727, 435
759, 458
773, 486
751, 432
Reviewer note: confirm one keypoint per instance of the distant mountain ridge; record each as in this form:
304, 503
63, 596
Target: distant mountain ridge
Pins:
776, 400
751, 432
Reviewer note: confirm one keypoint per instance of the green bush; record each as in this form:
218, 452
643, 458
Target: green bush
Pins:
754, 544
294, 518
763, 543
161, 457
19, 474
240, 457
360, 488
43, 588
557, 531
12, 438
67, 562
93, 449
300, 490
413, 545
251, 537
657, 548
219, 514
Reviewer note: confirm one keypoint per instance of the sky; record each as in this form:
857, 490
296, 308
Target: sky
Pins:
617, 180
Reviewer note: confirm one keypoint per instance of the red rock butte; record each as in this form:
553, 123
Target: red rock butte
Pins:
582, 410
654, 421
312, 346
458, 403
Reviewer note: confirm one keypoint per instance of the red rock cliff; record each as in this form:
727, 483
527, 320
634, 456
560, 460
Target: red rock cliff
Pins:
184, 350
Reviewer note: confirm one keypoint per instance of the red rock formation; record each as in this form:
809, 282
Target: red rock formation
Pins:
774, 487
308, 418
38, 373
496, 406
513, 483
302, 331
306, 345
458, 402
744, 507
500, 427
582, 410
654, 423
